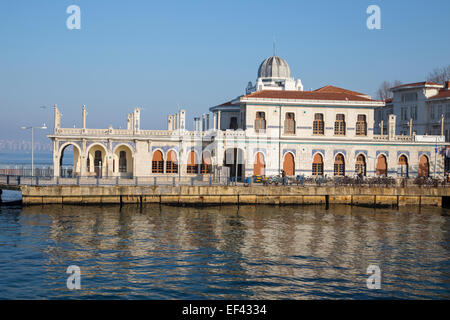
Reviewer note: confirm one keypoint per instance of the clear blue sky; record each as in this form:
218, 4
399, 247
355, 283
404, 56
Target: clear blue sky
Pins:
197, 54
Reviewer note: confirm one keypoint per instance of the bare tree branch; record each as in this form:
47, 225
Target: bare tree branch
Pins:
384, 92
440, 75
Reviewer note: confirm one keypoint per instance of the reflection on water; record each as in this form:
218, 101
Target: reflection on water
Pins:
264, 252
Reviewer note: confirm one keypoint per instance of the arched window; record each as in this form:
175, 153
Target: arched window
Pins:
339, 165
403, 163
192, 165
289, 123
206, 166
317, 166
171, 163
361, 125
98, 163
122, 161
157, 162
318, 125
233, 123
360, 166
259, 166
424, 166
381, 166
289, 164
260, 121
339, 125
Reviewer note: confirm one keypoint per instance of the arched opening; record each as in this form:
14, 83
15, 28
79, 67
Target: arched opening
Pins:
123, 161
157, 162
259, 165
96, 161
360, 166
339, 165
403, 166
424, 166
70, 161
381, 169
206, 166
171, 163
234, 159
192, 163
289, 164
317, 166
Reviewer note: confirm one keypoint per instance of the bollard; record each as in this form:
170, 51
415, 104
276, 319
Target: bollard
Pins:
18, 180
7, 179
137, 181
98, 181
37, 181
78, 180
192, 181
117, 181
173, 181
154, 181
210, 181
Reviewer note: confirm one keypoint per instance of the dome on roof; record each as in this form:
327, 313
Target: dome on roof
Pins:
274, 67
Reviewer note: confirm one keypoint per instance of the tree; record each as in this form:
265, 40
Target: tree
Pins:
384, 92
440, 75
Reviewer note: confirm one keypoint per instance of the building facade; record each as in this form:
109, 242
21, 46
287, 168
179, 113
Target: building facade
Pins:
274, 126
420, 107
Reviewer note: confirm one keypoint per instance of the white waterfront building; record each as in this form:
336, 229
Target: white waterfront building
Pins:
274, 126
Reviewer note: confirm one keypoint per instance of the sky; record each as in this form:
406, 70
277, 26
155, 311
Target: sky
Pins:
165, 55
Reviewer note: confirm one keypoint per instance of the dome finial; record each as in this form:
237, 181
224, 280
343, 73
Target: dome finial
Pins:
274, 47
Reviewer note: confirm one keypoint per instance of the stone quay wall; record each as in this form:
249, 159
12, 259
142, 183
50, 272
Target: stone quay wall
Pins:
235, 195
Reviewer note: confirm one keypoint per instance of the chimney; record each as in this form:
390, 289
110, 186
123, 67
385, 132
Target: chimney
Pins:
447, 84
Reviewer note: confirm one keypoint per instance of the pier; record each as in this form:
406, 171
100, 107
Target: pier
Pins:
234, 195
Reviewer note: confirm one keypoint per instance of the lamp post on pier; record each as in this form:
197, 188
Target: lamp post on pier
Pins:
44, 127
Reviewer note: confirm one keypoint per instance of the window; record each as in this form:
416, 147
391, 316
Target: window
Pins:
360, 166
339, 165
260, 121
361, 125
339, 125
206, 166
447, 111
433, 112
411, 96
157, 162
403, 164
404, 113
414, 112
233, 123
317, 166
289, 123
122, 161
318, 125
171, 163
192, 166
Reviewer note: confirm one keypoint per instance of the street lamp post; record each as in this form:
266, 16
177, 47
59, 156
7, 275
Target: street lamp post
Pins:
44, 127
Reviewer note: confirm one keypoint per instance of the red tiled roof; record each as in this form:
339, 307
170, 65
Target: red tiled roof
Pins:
228, 103
443, 93
417, 84
329, 88
306, 95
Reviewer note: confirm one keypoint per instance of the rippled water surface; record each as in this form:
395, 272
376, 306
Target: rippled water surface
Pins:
264, 252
